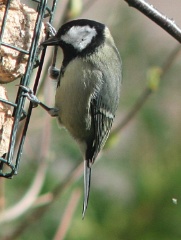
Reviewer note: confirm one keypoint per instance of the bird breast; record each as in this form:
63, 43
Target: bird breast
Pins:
79, 84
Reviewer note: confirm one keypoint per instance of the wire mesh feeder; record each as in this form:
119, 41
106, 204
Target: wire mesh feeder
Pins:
26, 55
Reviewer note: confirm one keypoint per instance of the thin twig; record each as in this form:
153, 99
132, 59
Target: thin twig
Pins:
27, 201
73, 176
43, 199
68, 215
163, 21
33, 191
131, 114
170, 60
146, 93
174, 31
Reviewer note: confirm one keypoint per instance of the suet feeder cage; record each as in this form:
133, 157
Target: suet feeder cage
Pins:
21, 32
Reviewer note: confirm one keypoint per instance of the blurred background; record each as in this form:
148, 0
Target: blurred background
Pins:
136, 183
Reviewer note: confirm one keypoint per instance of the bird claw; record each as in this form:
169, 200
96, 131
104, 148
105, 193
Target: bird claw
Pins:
50, 29
30, 95
54, 112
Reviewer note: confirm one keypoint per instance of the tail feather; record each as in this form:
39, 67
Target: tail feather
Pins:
87, 180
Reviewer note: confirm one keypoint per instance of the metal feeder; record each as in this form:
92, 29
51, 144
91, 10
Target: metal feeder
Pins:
10, 161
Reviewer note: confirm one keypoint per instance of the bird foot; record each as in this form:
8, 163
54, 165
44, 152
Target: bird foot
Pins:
54, 112
30, 95
50, 29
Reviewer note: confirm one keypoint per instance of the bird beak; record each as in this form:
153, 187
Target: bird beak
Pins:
51, 41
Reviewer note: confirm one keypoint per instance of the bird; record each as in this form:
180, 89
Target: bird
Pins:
88, 87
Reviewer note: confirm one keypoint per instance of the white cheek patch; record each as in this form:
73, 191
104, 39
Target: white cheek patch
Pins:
79, 36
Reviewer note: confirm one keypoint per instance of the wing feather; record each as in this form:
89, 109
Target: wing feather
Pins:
102, 120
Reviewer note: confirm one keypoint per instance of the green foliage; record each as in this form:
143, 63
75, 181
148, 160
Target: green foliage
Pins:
153, 76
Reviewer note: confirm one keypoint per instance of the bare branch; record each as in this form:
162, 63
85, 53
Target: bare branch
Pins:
146, 93
28, 200
164, 22
68, 215
74, 175
169, 26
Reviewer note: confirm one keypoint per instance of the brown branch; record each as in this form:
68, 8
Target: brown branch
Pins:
74, 175
33, 191
174, 31
146, 93
163, 21
27, 201
68, 215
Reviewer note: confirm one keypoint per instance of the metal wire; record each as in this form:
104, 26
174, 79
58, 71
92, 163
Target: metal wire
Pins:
9, 162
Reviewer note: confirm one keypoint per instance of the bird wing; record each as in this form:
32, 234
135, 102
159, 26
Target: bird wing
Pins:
102, 122
103, 106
